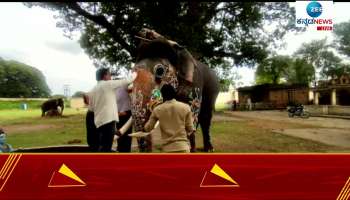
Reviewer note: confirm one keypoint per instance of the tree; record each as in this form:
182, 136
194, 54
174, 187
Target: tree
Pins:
320, 55
335, 71
212, 31
285, 69
272, 70
21, 80
300, 72
331, 65
342, 37
78, 94
227, 77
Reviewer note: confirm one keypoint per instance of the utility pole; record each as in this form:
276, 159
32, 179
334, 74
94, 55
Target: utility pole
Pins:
66, 90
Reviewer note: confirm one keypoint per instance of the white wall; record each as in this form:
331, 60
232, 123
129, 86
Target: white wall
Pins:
224, 97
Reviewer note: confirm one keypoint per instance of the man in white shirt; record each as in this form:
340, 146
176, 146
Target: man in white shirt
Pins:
104, 106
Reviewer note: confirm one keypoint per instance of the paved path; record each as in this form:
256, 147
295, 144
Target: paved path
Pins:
330, 131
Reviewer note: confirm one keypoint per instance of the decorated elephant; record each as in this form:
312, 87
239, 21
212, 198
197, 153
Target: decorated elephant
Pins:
51, 106
161, 61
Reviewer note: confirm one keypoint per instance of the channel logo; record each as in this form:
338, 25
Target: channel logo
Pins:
314, 9
317, 15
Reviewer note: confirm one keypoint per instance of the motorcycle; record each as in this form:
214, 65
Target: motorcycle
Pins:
298, 110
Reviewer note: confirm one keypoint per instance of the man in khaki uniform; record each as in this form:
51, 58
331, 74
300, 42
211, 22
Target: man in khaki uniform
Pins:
175, 122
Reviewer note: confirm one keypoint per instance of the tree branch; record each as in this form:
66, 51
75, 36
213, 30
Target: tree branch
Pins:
102, 21
224, 54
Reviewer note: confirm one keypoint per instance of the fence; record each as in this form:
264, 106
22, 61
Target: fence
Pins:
23, 99
328, 110
30, 103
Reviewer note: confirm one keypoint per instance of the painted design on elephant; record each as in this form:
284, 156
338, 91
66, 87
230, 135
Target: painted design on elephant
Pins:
195, 103
170, 78
156, 99
139, 98
138, 112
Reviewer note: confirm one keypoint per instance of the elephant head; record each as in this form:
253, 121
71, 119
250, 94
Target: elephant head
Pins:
159, 62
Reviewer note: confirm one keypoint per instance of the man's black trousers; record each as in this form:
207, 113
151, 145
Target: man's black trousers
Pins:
124, 142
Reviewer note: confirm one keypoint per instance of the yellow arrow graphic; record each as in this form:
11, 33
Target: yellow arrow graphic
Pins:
216, 170
220, 172
68, 172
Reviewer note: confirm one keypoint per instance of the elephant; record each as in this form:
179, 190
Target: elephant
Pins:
160, 61
52, 105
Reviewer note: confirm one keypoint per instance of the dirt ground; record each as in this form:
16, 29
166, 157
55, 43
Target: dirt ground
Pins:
9, 129
330, 131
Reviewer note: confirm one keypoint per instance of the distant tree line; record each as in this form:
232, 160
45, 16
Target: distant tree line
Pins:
317, 59
21, 80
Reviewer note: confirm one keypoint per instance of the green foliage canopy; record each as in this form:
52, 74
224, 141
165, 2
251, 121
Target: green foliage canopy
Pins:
21, 80
78, 94
342, 37
278, 69
320, 55
272, 70
212, 31
300, 72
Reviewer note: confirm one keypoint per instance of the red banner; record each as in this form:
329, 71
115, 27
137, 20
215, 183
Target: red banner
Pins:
175, 176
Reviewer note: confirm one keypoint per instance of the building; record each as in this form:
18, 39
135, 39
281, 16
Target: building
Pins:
228, 96
270, 96
333, 92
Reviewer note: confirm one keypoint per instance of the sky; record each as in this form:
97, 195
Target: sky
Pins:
30, 36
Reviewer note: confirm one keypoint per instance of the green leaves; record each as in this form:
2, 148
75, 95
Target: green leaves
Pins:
321, 56
20, 80
284, 69
212, 31
273, 69
342, 35
300, 72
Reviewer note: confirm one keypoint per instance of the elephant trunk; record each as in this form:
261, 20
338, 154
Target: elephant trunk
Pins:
140, 98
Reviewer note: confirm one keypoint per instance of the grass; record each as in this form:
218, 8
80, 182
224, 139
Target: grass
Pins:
16, 105
241, 137
43, 131
28, 129
32, 104
221, 107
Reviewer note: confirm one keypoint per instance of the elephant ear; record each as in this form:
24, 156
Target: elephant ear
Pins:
186, 64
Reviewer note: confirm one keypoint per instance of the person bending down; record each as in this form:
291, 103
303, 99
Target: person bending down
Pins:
175, 122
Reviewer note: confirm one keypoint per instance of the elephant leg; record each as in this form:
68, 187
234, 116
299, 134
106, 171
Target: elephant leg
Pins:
205, 124
149, 143
204, 119
145, 144
141, 144
42, 112
192, 139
